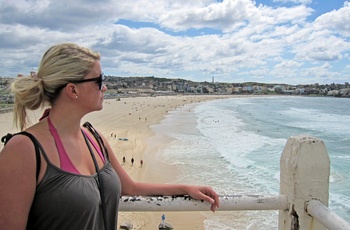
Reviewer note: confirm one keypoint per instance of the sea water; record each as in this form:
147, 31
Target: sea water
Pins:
235, 145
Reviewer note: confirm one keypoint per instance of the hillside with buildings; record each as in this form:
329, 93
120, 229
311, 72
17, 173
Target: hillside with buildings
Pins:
153, 86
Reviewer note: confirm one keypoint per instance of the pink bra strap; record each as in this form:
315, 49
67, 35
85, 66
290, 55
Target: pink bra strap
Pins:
66, 163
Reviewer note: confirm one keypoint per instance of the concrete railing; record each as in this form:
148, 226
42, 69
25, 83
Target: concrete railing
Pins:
186, 203
303, 199
325, 216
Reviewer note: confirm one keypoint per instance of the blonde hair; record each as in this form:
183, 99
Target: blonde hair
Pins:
61, 64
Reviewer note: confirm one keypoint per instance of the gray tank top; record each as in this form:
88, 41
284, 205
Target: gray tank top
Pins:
65, 200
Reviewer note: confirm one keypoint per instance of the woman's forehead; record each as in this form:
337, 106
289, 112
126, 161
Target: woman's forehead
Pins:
96, 68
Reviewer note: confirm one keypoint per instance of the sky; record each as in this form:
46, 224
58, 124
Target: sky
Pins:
234, 41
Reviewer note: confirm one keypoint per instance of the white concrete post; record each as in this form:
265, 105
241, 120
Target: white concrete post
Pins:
305, 170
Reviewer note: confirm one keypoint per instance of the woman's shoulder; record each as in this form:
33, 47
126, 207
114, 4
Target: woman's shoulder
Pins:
25, 141
18, 143
17, 140
18, 154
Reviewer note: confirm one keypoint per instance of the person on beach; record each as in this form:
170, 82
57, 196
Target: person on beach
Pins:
57, 173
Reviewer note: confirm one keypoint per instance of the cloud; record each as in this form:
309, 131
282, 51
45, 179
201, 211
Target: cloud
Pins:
336, 20
321, 46
191, 39
288, 64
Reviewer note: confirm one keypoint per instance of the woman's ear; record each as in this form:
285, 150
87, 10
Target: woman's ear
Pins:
71, 90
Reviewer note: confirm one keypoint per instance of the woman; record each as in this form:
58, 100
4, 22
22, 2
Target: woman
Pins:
57, 174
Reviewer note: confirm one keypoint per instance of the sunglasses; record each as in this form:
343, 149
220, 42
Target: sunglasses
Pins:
98, 80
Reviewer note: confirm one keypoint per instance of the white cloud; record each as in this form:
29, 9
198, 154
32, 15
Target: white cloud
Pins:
321, 46
288, 64
336, 20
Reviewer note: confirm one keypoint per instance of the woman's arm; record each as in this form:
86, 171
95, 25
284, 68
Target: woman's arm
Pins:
17, 182
130, 187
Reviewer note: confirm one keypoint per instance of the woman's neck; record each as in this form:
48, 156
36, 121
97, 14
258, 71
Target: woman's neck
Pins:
65, 122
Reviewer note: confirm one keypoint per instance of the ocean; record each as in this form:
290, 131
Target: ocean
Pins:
235, 144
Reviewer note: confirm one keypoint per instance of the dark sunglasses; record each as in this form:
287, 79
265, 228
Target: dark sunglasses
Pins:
98, 80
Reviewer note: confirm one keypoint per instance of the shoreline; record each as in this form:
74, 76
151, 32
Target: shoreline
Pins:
156, 171
161, 172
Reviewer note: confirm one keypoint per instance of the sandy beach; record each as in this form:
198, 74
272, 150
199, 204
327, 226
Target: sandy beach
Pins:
126, 125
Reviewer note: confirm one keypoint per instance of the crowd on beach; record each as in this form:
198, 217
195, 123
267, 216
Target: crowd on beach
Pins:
132, 161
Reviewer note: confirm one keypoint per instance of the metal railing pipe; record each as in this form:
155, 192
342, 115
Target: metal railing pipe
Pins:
325, 216
186, 203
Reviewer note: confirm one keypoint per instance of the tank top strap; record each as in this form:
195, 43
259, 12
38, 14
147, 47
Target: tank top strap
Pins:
100, 144
66, 163
99, 151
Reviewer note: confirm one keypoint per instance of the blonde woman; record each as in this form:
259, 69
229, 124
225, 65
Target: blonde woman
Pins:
58, 174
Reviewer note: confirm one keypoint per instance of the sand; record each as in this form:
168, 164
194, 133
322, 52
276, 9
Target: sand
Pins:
126, 125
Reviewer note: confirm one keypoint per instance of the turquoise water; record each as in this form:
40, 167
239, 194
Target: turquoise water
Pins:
234, 145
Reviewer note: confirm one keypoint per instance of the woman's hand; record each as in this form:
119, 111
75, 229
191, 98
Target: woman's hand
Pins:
204, 193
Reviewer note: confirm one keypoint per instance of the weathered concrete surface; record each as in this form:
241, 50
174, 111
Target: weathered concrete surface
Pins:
305, 170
